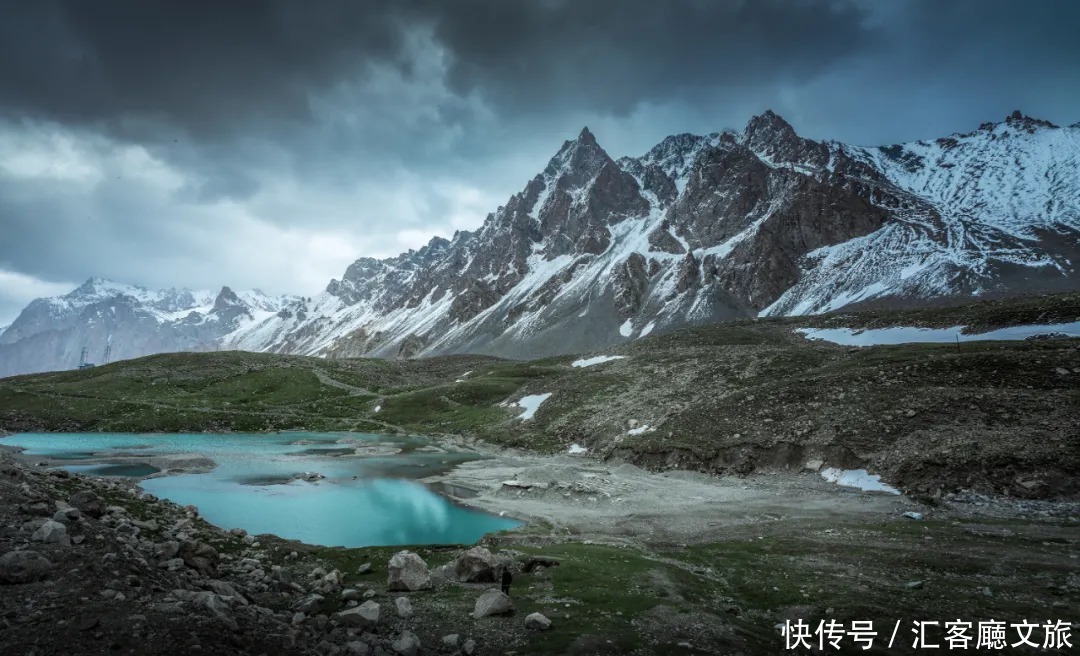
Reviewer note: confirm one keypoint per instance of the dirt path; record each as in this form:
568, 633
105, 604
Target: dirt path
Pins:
351, 389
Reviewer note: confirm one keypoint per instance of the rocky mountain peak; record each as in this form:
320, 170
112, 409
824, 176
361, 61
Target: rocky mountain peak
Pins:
1018, 120
226, 299
768, 127
581, 157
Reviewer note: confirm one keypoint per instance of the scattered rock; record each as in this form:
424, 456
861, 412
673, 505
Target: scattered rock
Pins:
363, 616
469, 647
89, 503
407, 645
408, 572
23, 567
537, 622
199, 556
911, 514
404, 607
52, 533
309, 605
226, 590
364, 569
67, 516
350, 594
814, 465
450, 641
357, 648
914, 585
492, 602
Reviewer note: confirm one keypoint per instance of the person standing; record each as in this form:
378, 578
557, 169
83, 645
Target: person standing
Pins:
507, 578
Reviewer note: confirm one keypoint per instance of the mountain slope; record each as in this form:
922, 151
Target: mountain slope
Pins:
594, 252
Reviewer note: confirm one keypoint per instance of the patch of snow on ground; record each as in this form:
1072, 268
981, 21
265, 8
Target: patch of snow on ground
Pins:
531, 403
576, 448
600, 359
626, 328
647, 329
904, 335
639, 430
858, 478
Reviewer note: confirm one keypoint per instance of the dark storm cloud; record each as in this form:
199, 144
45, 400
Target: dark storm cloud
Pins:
205, 67
201, 66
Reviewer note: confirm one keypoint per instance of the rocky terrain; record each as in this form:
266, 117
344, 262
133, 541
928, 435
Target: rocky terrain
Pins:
92, 566
113, 570
596, 252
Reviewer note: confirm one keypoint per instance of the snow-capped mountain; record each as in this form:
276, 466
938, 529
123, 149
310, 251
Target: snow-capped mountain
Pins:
596, 251
132, 321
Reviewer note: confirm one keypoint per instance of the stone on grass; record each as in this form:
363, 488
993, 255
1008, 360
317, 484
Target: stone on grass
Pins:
537, 622
492, 602
404, 607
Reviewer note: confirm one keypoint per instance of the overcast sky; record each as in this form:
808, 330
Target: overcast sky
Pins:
269, 144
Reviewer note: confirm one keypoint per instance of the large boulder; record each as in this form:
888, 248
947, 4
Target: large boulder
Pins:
23, 567
493, 602
364, 616
89, 503
53, 533
477, 565
408, 572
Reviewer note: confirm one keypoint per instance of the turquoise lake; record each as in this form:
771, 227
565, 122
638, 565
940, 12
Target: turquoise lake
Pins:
364, 500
